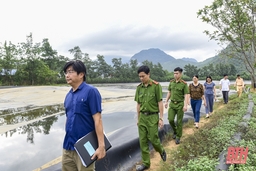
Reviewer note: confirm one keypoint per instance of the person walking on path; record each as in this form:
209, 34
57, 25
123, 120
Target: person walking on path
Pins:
239, 84
196, 95
150, 116
178, 94
210, 95
224, 87
83, 115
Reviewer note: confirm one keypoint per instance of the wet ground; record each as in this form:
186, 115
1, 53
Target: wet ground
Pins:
32, 121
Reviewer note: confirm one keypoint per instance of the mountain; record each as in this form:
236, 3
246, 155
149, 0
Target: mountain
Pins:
189, 59
168, 62
153, 55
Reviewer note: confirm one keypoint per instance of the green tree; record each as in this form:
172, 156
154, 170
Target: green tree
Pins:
221, 69
49, 55
76, 51
62, 60
90, 67
33, 70
235, 26
117, 67
8, 61
103, 69
30, 54
191, 70
158, 72
133, 69
233, 70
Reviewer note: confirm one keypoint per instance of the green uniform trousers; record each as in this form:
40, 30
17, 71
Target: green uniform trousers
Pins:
72, 162
176, 109
148, 131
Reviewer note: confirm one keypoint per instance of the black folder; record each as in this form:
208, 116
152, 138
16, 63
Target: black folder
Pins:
87, 145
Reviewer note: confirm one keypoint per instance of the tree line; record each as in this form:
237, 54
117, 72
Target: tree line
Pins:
30, 63
215, 71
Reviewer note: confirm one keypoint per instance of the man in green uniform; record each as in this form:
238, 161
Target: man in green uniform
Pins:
150, 116
178, 93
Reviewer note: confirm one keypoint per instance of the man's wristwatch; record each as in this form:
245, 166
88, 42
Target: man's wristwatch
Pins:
161, 119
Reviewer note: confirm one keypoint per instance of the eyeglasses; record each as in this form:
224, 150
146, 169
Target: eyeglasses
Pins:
69, 72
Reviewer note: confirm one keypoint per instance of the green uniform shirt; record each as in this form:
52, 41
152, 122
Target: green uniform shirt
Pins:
178, 90
148, 97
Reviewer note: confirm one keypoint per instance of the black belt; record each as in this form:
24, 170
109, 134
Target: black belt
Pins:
175, 102
149, 113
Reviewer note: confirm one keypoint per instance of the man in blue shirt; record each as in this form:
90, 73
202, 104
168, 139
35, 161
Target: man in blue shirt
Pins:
83, 111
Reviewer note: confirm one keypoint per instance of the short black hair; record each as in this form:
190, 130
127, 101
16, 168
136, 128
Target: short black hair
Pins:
195, 76
209, 77
178, 69
77, 65
143, 68
225, 75
238, 75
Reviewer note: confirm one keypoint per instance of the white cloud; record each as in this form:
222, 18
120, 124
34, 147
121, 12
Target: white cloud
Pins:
110, 27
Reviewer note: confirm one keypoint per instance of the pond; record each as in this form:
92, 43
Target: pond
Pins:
32, 145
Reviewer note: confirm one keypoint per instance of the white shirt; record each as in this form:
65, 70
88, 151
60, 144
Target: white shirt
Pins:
224, 84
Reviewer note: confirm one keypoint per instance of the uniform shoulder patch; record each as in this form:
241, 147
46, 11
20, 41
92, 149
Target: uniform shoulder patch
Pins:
172, 80
183, 81
155, 82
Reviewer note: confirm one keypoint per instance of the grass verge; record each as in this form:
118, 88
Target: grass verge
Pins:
200, 151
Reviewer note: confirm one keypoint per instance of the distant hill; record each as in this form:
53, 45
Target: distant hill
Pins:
168, 62
170, 65
158, 56
223, 60
153, 55
189, 59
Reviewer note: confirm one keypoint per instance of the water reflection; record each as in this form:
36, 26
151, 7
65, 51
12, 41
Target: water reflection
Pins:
42, 126
14, 116
30, 146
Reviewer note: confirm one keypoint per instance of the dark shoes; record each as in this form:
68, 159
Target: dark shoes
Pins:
141, 167
177, 141
174, 136
163, 156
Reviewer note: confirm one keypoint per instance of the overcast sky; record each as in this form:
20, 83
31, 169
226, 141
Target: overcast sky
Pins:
110, 27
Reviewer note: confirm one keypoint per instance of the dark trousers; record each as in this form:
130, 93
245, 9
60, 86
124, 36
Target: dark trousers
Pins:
196, 105
225, 96
209, 98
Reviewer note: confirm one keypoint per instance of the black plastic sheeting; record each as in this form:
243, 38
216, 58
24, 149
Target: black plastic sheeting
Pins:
125, 152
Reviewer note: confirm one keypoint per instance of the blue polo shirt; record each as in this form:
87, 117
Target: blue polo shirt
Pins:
80, 106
